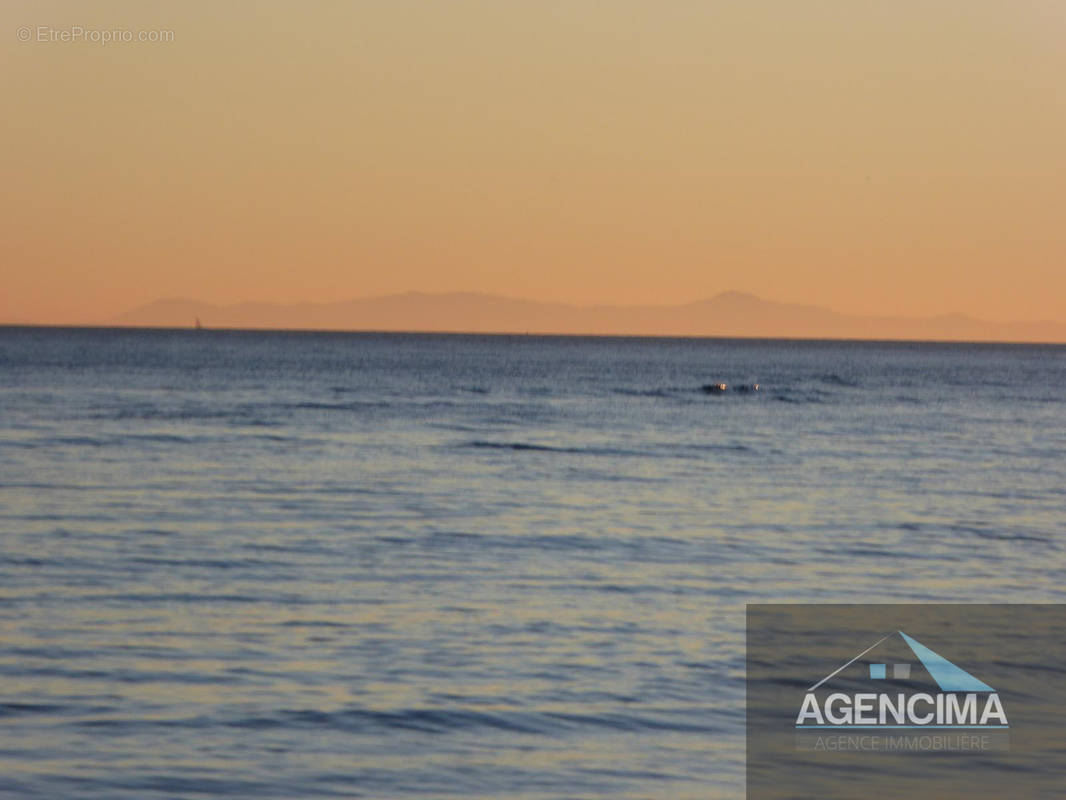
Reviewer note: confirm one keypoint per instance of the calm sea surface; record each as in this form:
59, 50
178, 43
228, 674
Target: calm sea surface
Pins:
256, 565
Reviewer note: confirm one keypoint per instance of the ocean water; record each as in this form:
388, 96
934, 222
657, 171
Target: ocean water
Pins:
247, 564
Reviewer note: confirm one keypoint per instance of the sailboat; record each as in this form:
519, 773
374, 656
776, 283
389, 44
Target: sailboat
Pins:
199, 327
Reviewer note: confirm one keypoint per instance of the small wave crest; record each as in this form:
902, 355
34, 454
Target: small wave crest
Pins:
433, 721
543, 448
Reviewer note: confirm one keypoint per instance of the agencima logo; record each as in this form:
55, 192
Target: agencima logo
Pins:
959, 703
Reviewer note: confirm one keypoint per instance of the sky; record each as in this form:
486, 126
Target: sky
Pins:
900, 158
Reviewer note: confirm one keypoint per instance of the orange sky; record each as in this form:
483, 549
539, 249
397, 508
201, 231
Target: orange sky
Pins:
873, 157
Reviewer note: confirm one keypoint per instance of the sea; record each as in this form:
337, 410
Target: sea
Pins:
247, 564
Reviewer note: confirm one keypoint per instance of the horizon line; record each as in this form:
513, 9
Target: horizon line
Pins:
730, 314
529, 334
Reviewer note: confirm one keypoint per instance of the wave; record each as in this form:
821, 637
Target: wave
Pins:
116, 440
429, 720
543, 448
29, 709
674, 392
835, 379
717, 448
800, 397
205, 563
1003, 536
684, 393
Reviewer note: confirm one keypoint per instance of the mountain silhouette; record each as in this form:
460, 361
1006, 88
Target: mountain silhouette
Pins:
730, 314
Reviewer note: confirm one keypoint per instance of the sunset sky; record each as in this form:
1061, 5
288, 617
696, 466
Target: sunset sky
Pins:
877, 158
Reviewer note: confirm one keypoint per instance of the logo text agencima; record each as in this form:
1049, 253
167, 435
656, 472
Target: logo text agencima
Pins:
963, 702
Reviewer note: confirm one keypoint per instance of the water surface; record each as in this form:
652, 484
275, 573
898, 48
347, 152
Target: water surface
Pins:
246, 564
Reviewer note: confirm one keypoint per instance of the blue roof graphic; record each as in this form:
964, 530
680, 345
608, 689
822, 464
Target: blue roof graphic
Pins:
947, 676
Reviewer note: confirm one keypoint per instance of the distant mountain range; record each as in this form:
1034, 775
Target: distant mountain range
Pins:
727, 314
